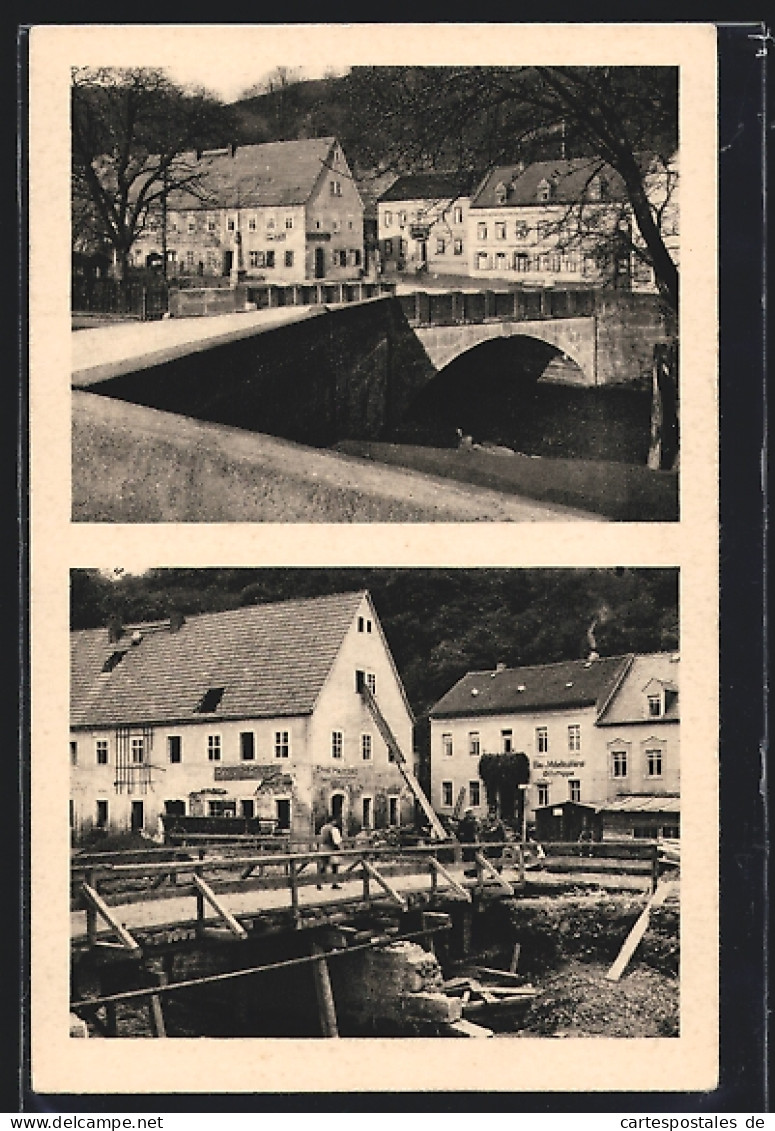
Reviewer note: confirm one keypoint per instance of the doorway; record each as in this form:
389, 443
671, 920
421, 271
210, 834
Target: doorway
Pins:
138, 817
320, 263
283, 814
337, 807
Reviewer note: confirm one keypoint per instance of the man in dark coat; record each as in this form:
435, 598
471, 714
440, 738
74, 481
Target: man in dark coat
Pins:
468, 833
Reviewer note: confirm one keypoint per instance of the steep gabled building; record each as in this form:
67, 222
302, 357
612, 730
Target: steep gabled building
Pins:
283, 211
594, 731
255, 712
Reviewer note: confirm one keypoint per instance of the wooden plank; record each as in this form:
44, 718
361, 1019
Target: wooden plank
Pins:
440, 870
208, 894
515, 958
463, 1028
98, 905
503, 975
390, 891
637, 932
493, 872
325, 996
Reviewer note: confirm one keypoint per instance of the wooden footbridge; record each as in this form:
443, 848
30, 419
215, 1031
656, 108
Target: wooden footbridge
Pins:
213, 916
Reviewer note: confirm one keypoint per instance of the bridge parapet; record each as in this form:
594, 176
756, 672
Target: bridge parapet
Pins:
455, 308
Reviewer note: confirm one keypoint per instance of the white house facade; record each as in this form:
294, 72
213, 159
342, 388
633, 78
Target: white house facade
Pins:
593, 731
285, 212
251, 713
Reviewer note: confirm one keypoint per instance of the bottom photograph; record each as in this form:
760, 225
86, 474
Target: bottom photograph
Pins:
311, 802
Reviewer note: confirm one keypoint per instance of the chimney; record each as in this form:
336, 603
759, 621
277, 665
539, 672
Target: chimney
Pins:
115, 629
500, 667
177, 620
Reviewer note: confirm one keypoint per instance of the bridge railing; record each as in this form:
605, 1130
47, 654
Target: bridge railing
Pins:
456, 308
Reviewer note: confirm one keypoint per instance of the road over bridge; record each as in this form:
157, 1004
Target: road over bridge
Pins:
322, 374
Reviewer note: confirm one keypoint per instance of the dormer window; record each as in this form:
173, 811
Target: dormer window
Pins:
655, 706
210, 701
501, 192
544, 191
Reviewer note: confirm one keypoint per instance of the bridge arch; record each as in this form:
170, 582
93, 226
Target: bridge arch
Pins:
573, 338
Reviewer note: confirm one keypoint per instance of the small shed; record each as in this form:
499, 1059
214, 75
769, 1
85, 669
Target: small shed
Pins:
644, 817
567, 821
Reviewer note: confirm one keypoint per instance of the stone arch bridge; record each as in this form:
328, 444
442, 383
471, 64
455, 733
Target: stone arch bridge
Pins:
320, 373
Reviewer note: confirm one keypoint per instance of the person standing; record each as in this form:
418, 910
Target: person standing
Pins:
329, 841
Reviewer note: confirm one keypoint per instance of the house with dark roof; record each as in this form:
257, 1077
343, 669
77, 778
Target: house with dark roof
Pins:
594, 731
254, 713
566, 222
282, 211
422, 223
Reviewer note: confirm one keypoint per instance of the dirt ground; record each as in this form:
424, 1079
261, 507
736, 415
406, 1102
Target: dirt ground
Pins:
578, 1001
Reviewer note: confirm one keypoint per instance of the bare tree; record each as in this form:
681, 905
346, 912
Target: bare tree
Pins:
469, 118
134, 136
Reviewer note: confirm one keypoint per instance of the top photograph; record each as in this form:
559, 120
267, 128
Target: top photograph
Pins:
375, 293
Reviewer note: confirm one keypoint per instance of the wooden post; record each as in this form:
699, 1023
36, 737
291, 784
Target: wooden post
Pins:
325, 996
91, 911
654, 867
294, 881
521, 863
200, 899
514, 959
158, 1028
111, 1019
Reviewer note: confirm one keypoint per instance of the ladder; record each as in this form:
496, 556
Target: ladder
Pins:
437, 829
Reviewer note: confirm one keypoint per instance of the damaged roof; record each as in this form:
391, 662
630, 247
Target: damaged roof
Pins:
260, 661
570, 683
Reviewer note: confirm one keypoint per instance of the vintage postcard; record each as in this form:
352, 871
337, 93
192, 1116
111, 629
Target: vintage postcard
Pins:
374, 540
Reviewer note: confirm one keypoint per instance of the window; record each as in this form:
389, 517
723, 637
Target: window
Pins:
230, 224
507, 741
213, 747
210, 701
137, 749
457, 214
654, 763
270, 259
619, 763
440, 246
474, 794
402, 218
367, 812
336, 188
247, 745
544, 190
521, 261
270, 223
248, 808
388, 247
256, 259
457, 247
482, 261
542, 798
289, 259
211, 222
388, 219
500, 230
335, 224
252, 224
394, 810
366, 747
102, 814
175, 748
401, 246
102, 751
655, 706
481, 231
192, 223
371, 682
222, 808
542, 740
189, 258
574, 789
522, 230
446, 744
73, 753
446, 794
289, 222
340, 258
337, 743
355, 257
474, 744
500, 261
574, 738
281, 744
500, 193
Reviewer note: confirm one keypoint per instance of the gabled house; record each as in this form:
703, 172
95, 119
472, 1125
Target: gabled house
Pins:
594, 731
254, 712
566, 222
282, 211
422, 224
